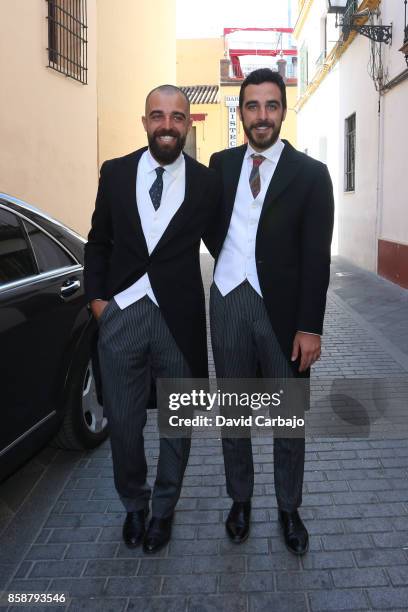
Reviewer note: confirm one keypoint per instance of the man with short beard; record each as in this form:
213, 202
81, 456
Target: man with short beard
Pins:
143, 282
271, 276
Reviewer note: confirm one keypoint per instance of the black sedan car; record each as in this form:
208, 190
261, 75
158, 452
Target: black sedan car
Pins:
48, 358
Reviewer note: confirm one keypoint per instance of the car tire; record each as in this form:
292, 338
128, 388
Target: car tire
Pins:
84, 425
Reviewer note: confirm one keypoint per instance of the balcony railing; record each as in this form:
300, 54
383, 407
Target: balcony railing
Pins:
352, 7
352, 23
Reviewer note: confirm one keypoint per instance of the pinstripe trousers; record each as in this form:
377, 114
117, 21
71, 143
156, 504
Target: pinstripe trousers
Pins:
135, 344
242, 338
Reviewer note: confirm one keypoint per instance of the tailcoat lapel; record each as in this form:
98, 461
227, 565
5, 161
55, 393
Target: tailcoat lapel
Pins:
285, 172
191, 195
231, 175
129, 202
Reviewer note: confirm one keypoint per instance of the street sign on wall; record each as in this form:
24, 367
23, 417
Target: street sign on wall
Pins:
232, 102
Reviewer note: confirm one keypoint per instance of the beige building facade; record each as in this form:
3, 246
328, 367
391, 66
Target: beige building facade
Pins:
198, 60
136, 52
48, 122
56, 128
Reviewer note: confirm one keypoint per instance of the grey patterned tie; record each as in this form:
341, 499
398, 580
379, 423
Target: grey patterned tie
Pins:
254, 177
156, 189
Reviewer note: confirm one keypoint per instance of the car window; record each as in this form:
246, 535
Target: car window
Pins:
48, 253
16, 258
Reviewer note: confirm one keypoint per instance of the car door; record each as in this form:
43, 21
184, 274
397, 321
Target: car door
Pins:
40, 296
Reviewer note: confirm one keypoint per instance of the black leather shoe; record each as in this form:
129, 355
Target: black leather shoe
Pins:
237, 523
294, 531
158, 534
134, 528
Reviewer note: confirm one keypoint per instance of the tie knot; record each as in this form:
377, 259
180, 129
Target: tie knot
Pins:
159, 171
257, 159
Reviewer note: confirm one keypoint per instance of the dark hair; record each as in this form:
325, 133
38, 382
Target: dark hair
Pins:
169, 89
263, 75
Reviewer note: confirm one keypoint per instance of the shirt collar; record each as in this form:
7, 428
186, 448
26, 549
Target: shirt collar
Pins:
172, 169
272, 154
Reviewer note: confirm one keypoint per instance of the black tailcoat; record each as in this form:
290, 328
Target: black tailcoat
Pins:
116, 253
293, 239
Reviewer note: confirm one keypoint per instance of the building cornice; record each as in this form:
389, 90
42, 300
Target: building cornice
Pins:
334, 55
303, 13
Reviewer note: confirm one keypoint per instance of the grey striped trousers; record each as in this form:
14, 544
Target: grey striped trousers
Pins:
243, 339
135, 344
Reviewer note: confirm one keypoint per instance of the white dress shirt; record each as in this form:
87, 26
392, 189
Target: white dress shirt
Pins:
154, 222
236, 261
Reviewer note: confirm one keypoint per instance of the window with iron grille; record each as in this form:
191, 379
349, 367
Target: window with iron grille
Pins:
350, 153
67, 38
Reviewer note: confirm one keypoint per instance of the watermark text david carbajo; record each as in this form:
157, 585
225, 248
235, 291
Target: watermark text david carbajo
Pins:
235, 405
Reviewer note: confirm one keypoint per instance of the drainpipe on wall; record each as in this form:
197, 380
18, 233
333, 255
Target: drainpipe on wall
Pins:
380, 169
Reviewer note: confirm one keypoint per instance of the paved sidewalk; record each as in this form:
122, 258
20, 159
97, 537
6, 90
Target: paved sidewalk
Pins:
60, 519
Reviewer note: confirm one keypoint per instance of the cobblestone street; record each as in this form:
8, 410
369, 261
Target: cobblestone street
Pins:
61, 520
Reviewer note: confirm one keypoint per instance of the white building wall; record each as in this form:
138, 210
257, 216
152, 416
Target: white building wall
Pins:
358, 216
394, 150
318, 35
319, 134
394, 217
378, 206
392, 12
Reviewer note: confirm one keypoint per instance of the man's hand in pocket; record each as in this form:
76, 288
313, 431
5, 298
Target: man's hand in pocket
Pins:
97, 307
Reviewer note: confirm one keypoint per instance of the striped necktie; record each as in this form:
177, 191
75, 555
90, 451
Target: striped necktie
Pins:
156, 189
254, 178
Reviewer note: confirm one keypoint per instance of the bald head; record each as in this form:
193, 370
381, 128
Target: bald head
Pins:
169, 90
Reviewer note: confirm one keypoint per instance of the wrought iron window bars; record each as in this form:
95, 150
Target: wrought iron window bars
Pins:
67, 38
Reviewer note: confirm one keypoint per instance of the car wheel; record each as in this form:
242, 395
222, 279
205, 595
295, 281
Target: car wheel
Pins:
84, 425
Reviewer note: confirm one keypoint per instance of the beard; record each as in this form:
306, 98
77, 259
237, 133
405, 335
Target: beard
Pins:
166, 153
262, 141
